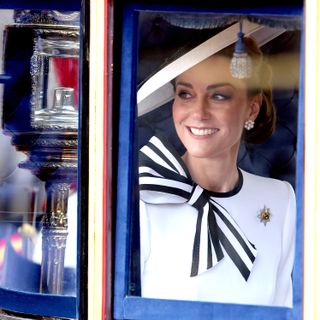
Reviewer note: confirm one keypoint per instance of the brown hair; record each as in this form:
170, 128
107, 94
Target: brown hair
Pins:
259, 83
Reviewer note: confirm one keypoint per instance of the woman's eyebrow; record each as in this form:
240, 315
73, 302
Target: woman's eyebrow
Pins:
218, 85
185, 84
209, 87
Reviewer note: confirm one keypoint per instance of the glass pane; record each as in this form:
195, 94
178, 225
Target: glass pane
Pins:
39, 151
172, 51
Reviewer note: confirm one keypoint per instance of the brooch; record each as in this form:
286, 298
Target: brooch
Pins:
264, 215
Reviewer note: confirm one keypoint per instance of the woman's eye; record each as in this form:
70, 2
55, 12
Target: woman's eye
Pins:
220, 97
184, 94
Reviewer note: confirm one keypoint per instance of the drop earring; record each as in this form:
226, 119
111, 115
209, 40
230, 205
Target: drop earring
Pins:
249, 124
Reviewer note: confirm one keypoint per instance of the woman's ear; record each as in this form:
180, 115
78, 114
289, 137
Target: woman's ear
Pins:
254, 105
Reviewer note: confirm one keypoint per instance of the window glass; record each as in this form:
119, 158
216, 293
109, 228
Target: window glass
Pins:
191, 119
172, 49
39, 152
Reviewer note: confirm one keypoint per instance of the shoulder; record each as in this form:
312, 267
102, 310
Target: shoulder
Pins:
279, 188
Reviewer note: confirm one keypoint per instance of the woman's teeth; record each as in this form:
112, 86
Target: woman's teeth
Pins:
202, 132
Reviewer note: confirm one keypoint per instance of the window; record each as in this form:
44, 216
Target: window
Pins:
39, 111
150, 38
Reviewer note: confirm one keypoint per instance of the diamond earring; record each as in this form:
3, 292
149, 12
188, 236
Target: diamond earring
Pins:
249, 124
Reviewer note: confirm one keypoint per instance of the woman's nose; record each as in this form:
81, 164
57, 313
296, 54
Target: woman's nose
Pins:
201, 109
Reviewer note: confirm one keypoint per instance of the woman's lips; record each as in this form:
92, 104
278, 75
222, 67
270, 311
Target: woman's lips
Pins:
203, 131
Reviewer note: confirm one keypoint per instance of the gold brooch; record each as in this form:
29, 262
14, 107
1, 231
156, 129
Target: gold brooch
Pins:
264, 215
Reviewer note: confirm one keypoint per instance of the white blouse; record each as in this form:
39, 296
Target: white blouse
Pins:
167, 235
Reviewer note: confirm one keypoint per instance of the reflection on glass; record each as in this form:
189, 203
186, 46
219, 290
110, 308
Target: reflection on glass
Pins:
39, 152
54, 65
62, 112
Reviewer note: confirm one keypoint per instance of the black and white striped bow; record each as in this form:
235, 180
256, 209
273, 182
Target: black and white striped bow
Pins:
164, 179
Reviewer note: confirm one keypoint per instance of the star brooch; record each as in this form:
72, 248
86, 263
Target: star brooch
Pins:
265, 215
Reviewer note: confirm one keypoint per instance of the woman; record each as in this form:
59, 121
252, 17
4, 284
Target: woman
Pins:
209, 230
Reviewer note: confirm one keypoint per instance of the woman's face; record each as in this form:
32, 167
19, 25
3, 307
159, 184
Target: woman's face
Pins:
210, 109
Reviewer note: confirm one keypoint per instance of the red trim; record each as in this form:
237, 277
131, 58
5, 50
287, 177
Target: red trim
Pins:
104, 191
107, 173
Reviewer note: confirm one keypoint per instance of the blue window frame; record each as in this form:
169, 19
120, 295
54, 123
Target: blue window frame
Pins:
126, 304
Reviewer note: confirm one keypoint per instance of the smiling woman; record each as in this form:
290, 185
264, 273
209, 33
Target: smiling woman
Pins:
209, 112
209, 230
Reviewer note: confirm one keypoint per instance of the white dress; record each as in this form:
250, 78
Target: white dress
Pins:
167, 235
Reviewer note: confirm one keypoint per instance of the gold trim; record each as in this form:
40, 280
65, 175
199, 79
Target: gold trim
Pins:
311, 290
96, 145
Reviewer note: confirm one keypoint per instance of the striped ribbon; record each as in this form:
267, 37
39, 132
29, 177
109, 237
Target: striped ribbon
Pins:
164, 179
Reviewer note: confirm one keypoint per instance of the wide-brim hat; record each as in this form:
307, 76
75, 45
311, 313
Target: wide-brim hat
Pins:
158, 89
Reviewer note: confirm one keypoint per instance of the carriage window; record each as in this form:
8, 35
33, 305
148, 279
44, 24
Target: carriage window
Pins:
39, 160
214, 181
